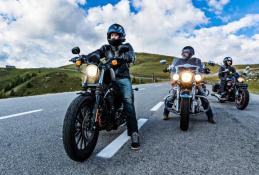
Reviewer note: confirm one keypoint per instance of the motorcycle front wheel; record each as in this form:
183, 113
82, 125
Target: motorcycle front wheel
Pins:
242, 99
184, 113
79, 132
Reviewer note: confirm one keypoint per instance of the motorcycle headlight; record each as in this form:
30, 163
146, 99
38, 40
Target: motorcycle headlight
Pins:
240, 79
175, 77
197, 77
186, 77
91, 70
91, 74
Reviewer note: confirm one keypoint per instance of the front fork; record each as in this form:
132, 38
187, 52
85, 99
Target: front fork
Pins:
193, 103
192, 96
98, 92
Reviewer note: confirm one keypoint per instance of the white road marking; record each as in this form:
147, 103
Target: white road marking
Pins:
157, 106
116, 144
141, 89
19, 114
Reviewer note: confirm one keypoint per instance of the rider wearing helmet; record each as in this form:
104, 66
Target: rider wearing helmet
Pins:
224, 72
187, 53
116, 49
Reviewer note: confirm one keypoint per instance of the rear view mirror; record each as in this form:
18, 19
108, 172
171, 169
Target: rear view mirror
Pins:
76, 50
163, 62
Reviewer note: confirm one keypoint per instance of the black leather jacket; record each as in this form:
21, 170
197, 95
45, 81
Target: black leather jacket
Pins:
111, 52
223, 74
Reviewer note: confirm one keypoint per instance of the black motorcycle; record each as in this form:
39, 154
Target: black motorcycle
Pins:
236, 91
98, 107
184, 98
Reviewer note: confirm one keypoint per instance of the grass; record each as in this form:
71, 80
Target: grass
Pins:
47, 80
66, 78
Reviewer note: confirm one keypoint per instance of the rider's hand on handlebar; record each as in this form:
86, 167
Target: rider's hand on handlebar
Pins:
165, 70
74, 59
207, 70
227, 70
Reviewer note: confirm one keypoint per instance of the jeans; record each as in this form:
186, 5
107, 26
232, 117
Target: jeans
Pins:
126, 93
222, 86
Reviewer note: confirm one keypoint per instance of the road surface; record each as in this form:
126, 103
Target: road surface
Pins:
31, 143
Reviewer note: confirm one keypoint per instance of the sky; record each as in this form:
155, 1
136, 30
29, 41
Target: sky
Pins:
41, 33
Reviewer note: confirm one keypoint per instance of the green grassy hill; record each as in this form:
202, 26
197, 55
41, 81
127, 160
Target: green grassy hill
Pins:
24, 82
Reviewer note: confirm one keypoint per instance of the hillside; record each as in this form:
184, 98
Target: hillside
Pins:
24, 82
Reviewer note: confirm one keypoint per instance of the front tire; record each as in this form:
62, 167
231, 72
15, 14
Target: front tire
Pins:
184, 113
242, 99
79, 132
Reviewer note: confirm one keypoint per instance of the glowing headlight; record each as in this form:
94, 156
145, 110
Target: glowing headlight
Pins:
197, 77
186, 77
91, 70
175, 77
240, 79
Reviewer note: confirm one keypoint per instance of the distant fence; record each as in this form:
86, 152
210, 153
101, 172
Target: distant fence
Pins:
138, 79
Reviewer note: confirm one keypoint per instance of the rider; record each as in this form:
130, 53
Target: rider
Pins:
124, 52
187, 53
224, 72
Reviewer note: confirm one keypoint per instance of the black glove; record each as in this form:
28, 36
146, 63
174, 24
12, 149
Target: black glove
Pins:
207, 70
74, 59
123, 48
165, 70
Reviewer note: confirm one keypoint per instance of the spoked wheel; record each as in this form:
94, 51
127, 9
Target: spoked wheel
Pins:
242, 99
79, 132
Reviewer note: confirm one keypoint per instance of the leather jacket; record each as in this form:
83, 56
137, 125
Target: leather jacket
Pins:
112, 52
225, 71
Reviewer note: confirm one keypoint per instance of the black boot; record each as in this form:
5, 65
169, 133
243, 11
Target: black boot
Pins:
210, 116
211, 120
165, 114
135, 145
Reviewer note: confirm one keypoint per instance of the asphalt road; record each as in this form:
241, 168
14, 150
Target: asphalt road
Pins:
31, 143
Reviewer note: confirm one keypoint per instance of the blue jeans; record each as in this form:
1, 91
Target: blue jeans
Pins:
126, 93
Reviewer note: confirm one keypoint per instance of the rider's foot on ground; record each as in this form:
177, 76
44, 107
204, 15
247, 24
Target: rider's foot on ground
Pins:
165, 117
211, 120
135, 145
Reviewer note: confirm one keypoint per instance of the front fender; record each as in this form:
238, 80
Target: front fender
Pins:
185, 94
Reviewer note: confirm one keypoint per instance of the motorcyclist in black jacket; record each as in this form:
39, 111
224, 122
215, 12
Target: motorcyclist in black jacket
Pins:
224, 71
125, 54
187, 53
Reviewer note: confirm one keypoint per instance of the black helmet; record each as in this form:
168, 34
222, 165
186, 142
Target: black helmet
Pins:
116, 28
226, 59
188, 49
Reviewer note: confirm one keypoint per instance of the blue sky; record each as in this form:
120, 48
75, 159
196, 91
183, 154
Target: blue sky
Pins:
233, 10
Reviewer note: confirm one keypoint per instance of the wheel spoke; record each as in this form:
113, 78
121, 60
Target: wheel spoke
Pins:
77, 132
85, 141
78, 119
81, 142
83, 127
79, 138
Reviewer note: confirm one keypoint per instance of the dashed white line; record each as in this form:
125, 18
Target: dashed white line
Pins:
19, 114
115, 145
157, 106
141, 89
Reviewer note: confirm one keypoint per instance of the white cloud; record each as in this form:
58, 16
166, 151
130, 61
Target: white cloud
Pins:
217, 5
45, 31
